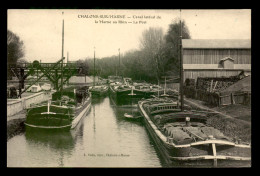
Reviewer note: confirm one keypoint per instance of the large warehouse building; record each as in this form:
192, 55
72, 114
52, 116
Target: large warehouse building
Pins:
215, 58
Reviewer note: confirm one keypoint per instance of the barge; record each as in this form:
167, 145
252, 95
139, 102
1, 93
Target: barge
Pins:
63, 112
184, 139
101, 90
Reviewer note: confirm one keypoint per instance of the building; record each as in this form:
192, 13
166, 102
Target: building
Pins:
215, 58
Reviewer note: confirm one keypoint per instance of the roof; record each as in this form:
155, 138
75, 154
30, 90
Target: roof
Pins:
226, 58
216, 43
243, 85
245, 67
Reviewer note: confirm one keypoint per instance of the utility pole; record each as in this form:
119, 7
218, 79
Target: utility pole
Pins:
181, 65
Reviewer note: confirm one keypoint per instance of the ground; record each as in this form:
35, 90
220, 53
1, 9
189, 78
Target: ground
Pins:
14, 127
233, 120
236, 111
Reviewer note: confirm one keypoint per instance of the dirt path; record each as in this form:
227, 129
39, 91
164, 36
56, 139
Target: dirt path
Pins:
240, 112
233, 121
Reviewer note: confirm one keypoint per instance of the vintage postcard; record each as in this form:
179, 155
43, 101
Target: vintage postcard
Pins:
131, 88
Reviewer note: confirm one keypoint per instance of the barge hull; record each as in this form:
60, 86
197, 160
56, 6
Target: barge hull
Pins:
79, 114
182, 156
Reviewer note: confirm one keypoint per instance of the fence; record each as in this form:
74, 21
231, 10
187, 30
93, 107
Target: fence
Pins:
216, 99
236, 98
16, 106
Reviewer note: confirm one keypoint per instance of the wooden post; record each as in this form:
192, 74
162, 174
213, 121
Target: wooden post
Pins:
219, 100
215, 85
211, 84
248, 99
232, 99
56, 80
214, 154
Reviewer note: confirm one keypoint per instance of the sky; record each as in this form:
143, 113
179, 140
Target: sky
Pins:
41, 30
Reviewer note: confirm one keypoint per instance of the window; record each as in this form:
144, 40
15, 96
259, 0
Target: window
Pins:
227, 63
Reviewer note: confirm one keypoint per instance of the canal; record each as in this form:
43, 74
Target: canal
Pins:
104, 138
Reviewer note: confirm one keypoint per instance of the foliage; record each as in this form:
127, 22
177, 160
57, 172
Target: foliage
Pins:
15, 50
158, 56
84, 66
172, 40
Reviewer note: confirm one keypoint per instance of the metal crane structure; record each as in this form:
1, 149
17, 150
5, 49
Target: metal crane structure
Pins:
57, 73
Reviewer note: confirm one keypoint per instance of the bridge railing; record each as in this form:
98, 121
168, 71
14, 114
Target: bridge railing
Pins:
43, 65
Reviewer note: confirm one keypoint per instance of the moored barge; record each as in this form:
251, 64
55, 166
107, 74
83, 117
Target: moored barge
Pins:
63, 112
184, 139
100, 90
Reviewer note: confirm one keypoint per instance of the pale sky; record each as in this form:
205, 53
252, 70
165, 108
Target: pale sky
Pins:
41, 30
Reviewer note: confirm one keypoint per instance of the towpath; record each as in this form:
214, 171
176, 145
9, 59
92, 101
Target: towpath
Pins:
223, 112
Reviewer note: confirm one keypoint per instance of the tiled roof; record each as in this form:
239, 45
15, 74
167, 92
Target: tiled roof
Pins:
216, 43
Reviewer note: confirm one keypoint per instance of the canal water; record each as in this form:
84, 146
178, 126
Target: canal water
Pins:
104, 138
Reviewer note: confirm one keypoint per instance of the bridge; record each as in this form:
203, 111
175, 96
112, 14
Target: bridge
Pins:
58, 73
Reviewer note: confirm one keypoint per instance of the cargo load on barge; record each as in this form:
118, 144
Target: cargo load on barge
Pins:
183, 138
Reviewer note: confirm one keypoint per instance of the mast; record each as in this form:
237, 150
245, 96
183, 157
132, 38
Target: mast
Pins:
119, 62
165, 85
164, 90
62, 55
94, 67
116, 66
67, 57
158, 89
181, 64
67, 64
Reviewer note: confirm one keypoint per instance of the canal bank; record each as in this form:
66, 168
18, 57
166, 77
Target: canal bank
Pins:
15, 124
16, 111
15, 127
233, 120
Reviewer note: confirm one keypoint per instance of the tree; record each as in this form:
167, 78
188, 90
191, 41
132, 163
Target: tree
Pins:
15, 49
83, 65
172, 39
151, 44
158, 56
